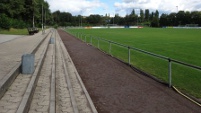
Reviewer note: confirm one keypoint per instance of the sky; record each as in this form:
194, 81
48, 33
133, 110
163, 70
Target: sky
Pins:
122, 7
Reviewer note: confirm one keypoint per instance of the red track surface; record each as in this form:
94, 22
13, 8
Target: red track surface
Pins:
115, 88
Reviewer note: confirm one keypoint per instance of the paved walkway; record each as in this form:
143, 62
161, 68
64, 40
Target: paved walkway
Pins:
56, 88
115, 88
12, 51
5, 38
9, 103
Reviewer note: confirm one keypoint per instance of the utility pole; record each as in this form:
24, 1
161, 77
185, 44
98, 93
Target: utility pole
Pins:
45, 21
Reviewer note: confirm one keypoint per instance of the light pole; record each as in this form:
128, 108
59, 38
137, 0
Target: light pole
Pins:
33, 13
177, 8
113, 21
45, 22
43, 30
42, 19
33, 21
81, 21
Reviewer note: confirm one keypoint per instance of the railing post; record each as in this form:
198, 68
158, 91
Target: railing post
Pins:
109, 47
91, 40
98, 43
170, 72
129, 55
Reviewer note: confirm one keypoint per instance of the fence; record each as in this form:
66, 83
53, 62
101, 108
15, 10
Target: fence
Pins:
96, 41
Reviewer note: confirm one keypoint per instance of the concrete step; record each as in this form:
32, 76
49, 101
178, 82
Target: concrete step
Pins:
55, 85
11, 53
81, 96
13, 96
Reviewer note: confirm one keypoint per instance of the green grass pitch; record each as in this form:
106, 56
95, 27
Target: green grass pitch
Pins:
180, 44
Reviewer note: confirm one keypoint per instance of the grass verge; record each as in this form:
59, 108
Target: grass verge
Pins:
13, 31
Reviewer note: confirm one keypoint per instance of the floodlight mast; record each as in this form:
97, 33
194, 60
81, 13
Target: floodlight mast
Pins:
81, 20
113, 21
113, 18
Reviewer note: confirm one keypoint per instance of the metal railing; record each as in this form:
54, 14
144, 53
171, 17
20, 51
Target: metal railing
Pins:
129, 48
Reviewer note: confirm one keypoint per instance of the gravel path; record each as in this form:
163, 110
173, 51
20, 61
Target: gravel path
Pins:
115, 88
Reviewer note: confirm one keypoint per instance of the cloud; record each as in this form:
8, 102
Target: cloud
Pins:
84, 7
123, 7
167, 6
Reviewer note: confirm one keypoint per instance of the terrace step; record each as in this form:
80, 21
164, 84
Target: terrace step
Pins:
55, 85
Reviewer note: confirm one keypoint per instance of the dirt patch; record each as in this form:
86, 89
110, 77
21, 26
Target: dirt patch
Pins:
116, 88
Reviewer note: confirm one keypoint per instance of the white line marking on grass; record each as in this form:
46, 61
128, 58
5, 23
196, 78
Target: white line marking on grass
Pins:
168, 43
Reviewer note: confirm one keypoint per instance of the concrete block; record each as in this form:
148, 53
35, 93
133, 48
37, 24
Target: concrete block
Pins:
28, 63
51, 40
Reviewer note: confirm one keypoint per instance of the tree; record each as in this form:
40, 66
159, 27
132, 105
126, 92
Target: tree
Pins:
172, 20
180, 17
141, 15
65, 19
5, 22
196, 17
133, 12
132, 17
155, 20
156, 14
12, 8
164, 20
116, 19
151, 16
187, 19
94, 19
146, 14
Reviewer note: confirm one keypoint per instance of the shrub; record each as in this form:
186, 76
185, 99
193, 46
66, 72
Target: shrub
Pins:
55, 26
5, 22
19, 24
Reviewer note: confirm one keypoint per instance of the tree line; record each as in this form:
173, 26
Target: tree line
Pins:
144, 18
28, 13
23, 13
